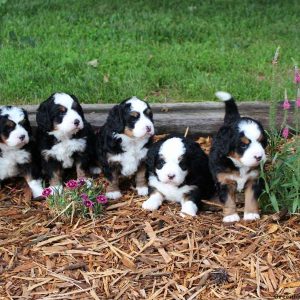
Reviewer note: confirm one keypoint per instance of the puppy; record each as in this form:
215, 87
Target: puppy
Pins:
123, 142
236, 153
178, 171
65, 138
17, 149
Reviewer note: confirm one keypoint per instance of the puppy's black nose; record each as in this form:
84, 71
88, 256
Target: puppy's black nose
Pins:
171, 176
76, 122
22, 137
258, 158
148, 129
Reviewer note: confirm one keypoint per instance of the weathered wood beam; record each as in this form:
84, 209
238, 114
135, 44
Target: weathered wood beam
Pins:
203, 118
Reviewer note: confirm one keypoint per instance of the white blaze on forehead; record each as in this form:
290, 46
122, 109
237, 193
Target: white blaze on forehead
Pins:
172, 149
63, 99
250, 129
137, 104
15, 114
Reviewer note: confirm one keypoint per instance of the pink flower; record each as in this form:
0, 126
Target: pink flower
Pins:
81, 181
286, 104
47, 192
101, 199
88, 203
298, 102
72, 184
84, 197
285, 132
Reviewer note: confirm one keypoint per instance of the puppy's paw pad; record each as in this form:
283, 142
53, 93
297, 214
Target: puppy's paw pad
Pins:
114, 195
251, 216
231, 218
151, 204
142, 190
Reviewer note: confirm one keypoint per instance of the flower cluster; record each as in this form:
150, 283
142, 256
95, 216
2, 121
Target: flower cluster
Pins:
82, 197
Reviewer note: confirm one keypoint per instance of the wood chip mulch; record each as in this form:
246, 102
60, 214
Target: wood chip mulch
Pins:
129, 253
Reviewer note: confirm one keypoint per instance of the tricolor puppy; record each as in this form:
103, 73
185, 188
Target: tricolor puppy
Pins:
178, 171
235, 157
122, 144
65, 138
17, 149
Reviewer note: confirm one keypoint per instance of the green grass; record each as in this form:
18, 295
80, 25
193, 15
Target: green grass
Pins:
161, 50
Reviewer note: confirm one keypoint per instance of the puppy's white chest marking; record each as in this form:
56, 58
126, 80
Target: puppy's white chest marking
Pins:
244, 177
64, 150
9, 161
132, 155
170, 192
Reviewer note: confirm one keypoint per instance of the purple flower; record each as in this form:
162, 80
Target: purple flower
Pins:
84, 197
47, 192
101, 199
298, 102
72, 184
285, 132
286, 104
88, 203
81, 181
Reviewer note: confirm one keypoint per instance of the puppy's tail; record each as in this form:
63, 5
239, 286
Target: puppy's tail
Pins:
231, 109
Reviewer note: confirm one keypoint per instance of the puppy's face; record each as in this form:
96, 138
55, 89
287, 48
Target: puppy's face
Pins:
170, 165
132, 117
61, 114
14, 127
250, 144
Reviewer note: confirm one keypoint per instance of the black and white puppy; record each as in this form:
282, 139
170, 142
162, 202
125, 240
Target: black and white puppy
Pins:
236, 153
178, 171
17, 149
123, 142
65, 138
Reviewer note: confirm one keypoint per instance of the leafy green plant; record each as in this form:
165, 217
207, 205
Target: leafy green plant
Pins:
80, 198
282, 175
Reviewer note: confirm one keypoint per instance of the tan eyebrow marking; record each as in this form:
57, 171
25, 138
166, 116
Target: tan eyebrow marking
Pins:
134, 114
245, 140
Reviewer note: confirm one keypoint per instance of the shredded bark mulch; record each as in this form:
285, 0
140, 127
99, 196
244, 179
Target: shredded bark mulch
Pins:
129, 253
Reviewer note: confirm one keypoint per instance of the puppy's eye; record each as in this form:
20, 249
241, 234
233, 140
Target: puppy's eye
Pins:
62, 109
148, 112
160, 163
23, 122
183, 164
134, 114
243, 145
10, 124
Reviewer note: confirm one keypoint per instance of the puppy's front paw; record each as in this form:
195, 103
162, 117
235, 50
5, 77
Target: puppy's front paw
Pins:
153, 203
231, 218
142, 190
95, 170
251, 216
114, 195
189, 208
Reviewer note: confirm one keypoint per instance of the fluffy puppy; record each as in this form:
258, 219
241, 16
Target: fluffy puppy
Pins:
65, 138
123, 142
178, 171
17, 149
236, 153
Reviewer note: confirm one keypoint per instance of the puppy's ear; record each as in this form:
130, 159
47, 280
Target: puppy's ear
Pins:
78, 106
225, 140
115, 119
152, 156
27, 125
43, 117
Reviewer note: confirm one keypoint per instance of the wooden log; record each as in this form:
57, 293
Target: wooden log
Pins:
203, 118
